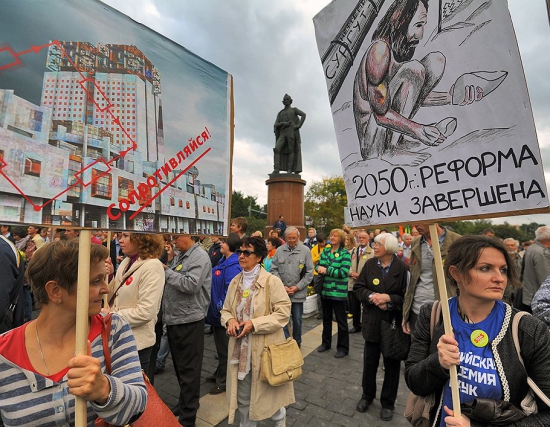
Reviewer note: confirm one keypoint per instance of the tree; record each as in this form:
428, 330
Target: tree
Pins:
240, 205
325, 203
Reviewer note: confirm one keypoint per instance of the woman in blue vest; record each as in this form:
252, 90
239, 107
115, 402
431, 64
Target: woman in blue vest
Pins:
228, 267
491, 378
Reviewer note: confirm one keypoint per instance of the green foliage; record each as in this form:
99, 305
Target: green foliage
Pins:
325, 202
521, 233
240, 205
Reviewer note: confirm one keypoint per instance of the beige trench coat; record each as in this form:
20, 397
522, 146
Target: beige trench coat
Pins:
265, 400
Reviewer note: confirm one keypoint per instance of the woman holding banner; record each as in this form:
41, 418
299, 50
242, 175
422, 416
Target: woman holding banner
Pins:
492, 380
41, 374
136, 291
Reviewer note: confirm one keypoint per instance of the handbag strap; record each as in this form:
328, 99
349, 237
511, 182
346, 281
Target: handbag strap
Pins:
105, 332
436, 314
515, 327
122, 281
267, 302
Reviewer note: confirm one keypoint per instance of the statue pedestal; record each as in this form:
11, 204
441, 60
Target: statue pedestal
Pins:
285, 196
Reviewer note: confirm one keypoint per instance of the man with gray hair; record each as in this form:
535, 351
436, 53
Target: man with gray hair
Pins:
512, 246
536, 266
292, 263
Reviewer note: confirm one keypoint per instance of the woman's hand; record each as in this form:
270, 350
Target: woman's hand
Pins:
321, 270
447, 349
247, 326
233, 326
109, 266
451, 420
380, 300
86, 379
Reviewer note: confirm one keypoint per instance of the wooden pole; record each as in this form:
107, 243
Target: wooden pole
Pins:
109, 238
453, 374
82, 303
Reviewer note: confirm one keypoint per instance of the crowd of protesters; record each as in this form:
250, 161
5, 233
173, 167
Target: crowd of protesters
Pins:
169, 291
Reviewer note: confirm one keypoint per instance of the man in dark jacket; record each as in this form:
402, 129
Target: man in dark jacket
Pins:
12, 272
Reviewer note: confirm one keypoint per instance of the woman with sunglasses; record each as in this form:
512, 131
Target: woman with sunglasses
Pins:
248, 321
136, 291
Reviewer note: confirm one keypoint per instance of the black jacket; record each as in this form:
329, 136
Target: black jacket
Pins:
394, 284
424, 374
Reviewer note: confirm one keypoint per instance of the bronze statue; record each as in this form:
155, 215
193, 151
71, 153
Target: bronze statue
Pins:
287, 151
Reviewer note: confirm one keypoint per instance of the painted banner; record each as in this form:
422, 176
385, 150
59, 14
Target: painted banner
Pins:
431, 110
105, 123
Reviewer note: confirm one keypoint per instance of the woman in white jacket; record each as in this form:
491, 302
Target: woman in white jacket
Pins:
136, 291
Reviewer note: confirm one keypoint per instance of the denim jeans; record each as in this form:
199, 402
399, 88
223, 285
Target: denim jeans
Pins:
296, 313
164, 350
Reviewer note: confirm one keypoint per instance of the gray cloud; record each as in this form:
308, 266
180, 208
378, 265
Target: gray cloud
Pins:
269, 48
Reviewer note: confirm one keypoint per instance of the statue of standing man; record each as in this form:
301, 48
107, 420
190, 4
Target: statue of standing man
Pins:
287, 151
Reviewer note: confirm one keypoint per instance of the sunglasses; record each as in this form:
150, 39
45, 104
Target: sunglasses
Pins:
245, 252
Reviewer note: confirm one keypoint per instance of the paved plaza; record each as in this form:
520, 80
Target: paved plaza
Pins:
326, 393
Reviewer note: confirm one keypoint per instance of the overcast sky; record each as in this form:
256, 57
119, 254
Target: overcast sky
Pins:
269, 48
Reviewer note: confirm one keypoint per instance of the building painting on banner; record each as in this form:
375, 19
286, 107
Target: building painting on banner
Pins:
431, 110
106, 123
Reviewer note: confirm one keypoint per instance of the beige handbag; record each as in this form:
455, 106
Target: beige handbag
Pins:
282, 362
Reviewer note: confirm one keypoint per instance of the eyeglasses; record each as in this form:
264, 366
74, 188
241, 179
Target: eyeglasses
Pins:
244, 252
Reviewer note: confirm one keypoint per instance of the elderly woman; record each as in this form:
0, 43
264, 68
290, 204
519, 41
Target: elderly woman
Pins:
334, 265
380, 288
41, 374
135, 293
249, 322
481, 345
222, 275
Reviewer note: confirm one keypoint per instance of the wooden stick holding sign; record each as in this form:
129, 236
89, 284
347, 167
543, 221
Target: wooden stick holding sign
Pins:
440, 274
82, 304
109, 238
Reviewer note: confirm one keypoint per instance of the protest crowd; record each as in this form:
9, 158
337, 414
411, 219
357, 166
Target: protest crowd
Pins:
164, 293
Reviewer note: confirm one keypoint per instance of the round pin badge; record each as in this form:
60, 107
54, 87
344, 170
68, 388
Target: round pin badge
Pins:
217, 273
376, 282
179, 267
246, 293
364, 257
479, 338
336, 255
128, 280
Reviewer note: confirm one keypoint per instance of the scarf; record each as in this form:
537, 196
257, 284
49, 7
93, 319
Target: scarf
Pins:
245, 311
271, 253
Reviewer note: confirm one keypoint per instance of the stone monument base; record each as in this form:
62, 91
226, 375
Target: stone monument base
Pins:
285, 196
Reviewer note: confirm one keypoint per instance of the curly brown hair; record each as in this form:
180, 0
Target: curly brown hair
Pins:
149, 245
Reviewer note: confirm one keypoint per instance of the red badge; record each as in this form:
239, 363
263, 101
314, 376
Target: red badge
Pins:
217, 273
129, 280
213, 253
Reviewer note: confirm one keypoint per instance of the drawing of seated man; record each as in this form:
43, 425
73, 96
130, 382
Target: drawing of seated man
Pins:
390, 87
